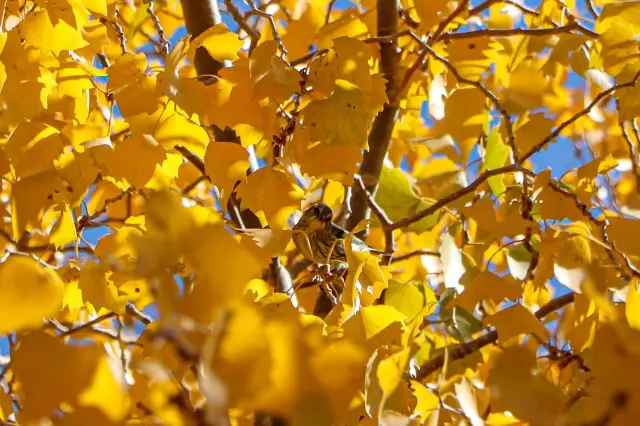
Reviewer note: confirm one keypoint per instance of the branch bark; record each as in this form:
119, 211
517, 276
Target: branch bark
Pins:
461, 351
380, 134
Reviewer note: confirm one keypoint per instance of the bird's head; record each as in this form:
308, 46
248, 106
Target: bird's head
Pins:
317, 216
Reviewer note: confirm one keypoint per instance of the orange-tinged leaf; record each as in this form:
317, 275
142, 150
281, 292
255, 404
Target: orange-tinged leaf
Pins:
431, 12
30, 196
623, 233
530, 130
282, 199
222, 44
30, 293
632, 307
107, 390
226, 163
64, 372
464, 117
98, 290
514, 321
513, 387
348, 25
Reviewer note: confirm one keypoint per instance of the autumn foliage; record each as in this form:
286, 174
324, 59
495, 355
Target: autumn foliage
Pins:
151, 179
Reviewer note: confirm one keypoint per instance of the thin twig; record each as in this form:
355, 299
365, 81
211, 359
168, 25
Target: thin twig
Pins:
530, 32
600, 97
414, 254
156, 22
456, 195
242, 23
89, 324
274, 29
385, 222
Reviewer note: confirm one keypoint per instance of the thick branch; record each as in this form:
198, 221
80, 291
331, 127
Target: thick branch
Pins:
382, 128
465, 349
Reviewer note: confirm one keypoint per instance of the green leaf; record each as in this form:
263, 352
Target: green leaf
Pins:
398, 199
409, 298
497, 154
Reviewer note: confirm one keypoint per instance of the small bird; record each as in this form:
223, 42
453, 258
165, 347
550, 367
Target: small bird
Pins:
322, 241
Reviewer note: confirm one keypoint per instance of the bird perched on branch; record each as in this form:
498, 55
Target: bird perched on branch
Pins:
322, 241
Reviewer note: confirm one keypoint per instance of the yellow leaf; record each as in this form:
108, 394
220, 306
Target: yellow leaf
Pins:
431, 12
30, 196
342, 119
392, 369
514, 321
65, 371
32, 148
300, 33
375, 325
348, 25
98, 290
64, 231
488, 286
347, 360
622, 232
278, 203
464, 117
226, 163
318, 159
427, 401
632, 307
271, 77
39, 30
526, 87
531, 129
513, 386
170, 128
30, 293
409, 298
348, 60
222, 44
148, 155
107, 390
70, 274
134, 91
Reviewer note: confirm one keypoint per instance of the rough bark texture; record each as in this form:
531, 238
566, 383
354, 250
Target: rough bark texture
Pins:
381, 130
199, 15
380, 134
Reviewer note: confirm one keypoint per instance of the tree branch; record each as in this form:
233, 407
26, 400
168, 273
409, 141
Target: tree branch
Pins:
531, 32
380, 134
599, 98
475, 345
456, 195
